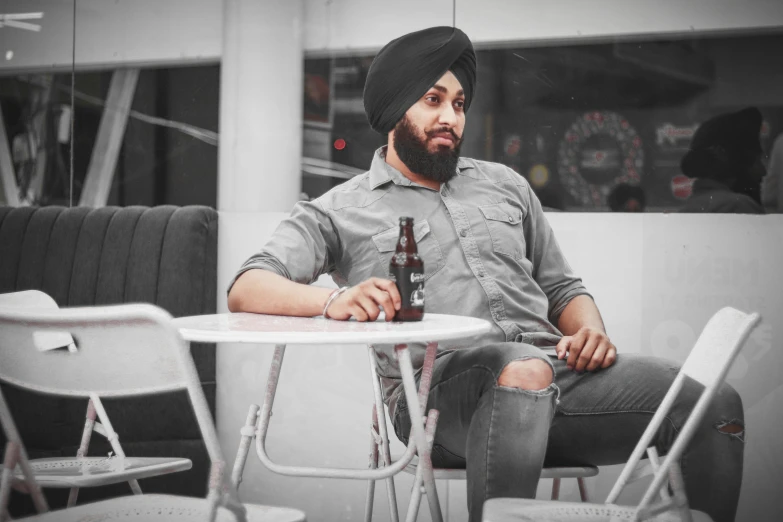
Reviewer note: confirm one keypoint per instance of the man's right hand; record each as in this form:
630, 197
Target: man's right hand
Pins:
364, 300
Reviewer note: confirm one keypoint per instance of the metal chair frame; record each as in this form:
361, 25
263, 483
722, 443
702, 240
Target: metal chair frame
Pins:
112, 344
35, 299
708, 363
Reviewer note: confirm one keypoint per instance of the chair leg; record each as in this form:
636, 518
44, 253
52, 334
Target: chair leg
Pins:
89, 424
9, 466
373, 465
582, 489
247, 433
556, 489
112, 437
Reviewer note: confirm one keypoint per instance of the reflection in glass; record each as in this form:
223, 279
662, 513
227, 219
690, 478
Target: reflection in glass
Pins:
37, 122
36, 61
163, 123
576, 121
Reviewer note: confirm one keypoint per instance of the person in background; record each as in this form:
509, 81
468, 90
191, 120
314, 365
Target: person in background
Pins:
546, 383
725, 159
772, 185
627, 198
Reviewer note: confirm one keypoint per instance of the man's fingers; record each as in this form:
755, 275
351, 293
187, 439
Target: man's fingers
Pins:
611, 357
562, 346
598, 356
575, 347
382, 298
391, 288
359, 313
369, 306
586, 354
573, 352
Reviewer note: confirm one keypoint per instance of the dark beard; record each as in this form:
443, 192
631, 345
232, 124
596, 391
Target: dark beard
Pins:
439, 166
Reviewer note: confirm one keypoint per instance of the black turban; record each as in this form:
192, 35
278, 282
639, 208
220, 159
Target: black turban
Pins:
405, 69
723, 146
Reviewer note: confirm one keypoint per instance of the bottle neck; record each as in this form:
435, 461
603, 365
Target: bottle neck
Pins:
406, 243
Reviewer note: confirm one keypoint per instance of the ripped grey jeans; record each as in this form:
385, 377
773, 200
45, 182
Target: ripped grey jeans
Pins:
503, 436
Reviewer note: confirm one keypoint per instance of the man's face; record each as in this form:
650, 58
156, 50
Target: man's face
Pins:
429, 136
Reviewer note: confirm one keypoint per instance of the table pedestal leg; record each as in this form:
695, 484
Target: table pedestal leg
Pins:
419, 433
380, 441
271, 388
248, 431
373, 465
413, 508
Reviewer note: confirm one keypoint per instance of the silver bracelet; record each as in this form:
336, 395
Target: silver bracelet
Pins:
334, 295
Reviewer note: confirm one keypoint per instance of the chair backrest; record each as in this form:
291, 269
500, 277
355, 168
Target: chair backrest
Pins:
717, 346
708, 363
120, 350
28, 299
36, 299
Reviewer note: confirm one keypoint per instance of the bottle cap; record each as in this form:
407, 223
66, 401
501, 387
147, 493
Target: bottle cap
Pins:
405, 219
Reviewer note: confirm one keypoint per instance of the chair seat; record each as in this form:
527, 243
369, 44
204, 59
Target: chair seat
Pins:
546, 473
72, 472
521, 510
154, 508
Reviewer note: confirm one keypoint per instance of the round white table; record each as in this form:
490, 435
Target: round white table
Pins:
283, 330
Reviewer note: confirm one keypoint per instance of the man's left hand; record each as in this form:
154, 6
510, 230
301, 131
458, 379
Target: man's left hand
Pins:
588, 349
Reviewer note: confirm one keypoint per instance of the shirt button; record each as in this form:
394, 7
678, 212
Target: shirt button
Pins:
510, 219
481, 274
463, 232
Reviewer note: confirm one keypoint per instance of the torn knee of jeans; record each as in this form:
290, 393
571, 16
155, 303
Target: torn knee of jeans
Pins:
733, 428
551, 390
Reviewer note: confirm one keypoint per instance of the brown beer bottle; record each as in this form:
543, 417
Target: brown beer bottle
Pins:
407, 269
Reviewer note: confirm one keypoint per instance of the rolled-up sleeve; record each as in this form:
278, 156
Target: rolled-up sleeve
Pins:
550, 268
304, 246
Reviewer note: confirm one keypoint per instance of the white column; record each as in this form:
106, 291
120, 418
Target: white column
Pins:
261, 80
259, 180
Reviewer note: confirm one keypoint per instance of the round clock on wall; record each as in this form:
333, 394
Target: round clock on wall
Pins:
598, 151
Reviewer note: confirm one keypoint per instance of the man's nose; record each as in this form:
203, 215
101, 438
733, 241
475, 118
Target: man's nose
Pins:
448, 117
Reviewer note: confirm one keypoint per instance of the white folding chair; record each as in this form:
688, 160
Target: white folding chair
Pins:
379, 455
124, 350
708, 363
82, 471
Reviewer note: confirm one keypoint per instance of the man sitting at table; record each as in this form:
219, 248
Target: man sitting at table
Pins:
546, 385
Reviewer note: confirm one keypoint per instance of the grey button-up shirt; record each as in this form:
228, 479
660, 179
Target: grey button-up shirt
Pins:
487, 247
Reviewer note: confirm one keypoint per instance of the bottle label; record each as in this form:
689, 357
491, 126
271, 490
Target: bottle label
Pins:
410, 283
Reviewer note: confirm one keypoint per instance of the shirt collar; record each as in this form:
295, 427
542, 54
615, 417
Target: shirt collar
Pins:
381, 172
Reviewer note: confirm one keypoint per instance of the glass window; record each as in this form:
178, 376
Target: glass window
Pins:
36, 114
591, 126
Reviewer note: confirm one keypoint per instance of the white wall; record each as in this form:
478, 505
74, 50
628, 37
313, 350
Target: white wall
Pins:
657, 278
149, 32
369, 24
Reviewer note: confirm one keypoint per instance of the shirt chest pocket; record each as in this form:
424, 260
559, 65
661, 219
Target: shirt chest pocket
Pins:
504, 223
428, 247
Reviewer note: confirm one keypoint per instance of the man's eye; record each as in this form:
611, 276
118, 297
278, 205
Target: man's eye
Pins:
460, 104
433, 99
